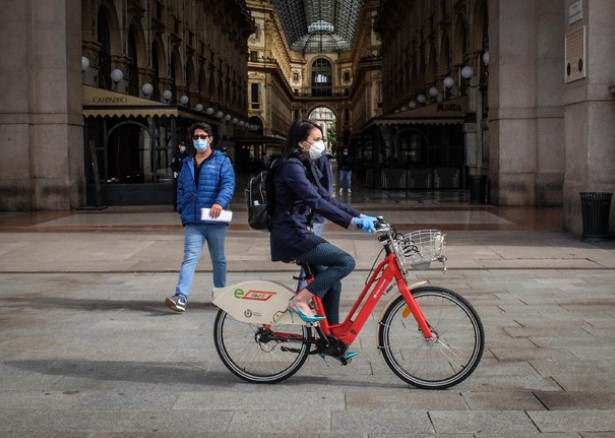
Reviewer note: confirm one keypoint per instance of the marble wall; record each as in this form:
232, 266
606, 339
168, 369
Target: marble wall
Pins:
41, 138
590, 114
526, 116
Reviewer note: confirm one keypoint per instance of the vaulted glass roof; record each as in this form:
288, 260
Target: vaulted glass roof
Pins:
319, 25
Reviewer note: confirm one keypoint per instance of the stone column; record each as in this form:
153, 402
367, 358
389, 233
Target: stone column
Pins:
526, 156
590, 113
41, 133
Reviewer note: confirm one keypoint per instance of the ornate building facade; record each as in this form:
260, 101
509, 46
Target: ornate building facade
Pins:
512, 100
286, 83
113, 100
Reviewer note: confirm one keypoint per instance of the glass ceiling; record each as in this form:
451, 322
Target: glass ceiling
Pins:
319, 25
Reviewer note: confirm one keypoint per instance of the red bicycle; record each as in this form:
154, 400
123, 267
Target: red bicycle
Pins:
430, 337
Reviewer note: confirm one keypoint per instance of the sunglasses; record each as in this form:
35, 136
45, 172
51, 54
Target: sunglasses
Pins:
202, 137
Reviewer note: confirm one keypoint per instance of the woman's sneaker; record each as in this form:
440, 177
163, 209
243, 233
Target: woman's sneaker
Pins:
176, 302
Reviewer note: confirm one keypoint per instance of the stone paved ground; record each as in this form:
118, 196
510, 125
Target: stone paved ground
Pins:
87, 348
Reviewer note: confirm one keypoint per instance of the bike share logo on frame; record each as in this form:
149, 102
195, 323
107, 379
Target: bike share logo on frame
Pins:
256, 295
253, 295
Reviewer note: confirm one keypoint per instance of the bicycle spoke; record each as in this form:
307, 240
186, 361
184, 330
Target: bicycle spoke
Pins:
446, 359
255, 353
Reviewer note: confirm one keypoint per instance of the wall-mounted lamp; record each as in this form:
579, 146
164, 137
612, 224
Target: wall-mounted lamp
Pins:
448, 82
198, 107
85, 63
227, 117
147, 89
421, 98
209, 111
467, 72
219, 114
412, 104
235, 120
116, 76
241, 124
433, 92
486, 57
184, 100
167, 95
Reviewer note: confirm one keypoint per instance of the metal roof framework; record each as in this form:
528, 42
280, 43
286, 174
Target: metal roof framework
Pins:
319, 25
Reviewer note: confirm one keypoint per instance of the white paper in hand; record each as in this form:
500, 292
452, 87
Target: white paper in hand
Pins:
225, 216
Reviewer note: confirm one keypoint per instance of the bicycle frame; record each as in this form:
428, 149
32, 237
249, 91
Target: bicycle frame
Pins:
388, 270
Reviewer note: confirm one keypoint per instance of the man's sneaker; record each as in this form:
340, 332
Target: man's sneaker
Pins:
176, 302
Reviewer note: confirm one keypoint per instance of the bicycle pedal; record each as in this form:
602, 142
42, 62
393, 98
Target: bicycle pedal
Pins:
324, 359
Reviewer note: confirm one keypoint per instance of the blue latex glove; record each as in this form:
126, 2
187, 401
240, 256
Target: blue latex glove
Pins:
366, 223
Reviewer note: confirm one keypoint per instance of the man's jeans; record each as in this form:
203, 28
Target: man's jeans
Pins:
345, 179
195, 237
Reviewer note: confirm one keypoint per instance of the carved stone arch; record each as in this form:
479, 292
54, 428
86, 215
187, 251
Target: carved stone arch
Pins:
163, 65
212, 86
479, 26
257, 121
141, 45
202, 85
333, 109
421, 66
320, 83
220, 91
192, 86
432, 64
116, 33
444, 61
137, 57
88, 20
459, 41
176, 63
107, 45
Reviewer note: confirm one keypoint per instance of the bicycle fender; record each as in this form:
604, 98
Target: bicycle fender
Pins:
257, 302
394, 297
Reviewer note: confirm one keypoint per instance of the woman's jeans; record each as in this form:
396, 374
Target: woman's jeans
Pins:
329, 264
317, 227
195, 237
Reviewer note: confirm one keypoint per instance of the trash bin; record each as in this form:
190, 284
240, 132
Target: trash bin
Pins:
595, 208
478, 189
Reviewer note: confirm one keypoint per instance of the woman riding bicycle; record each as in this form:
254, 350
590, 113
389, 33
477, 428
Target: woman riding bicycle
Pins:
298, 197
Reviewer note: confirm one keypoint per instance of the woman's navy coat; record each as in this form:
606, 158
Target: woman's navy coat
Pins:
216, 186
296, 199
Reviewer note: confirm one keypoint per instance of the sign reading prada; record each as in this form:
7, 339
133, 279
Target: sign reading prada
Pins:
449, 108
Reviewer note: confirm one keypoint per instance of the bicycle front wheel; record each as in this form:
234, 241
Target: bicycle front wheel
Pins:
443, 361
258, 353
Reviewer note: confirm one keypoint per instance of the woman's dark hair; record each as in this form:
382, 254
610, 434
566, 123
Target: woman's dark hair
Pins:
299, 131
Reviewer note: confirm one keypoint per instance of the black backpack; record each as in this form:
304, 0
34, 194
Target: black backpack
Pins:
260, 198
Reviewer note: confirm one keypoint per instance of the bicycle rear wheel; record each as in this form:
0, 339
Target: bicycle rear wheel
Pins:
258, 353
437, 363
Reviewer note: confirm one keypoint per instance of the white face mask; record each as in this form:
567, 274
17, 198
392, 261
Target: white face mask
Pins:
316, 149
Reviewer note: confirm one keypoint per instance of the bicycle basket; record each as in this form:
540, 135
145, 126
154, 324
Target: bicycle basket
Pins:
419, 248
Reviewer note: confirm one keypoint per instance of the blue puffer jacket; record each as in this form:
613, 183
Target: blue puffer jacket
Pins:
216, 186
297, 200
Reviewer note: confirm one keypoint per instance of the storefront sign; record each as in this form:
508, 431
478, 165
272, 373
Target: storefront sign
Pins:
449, 108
